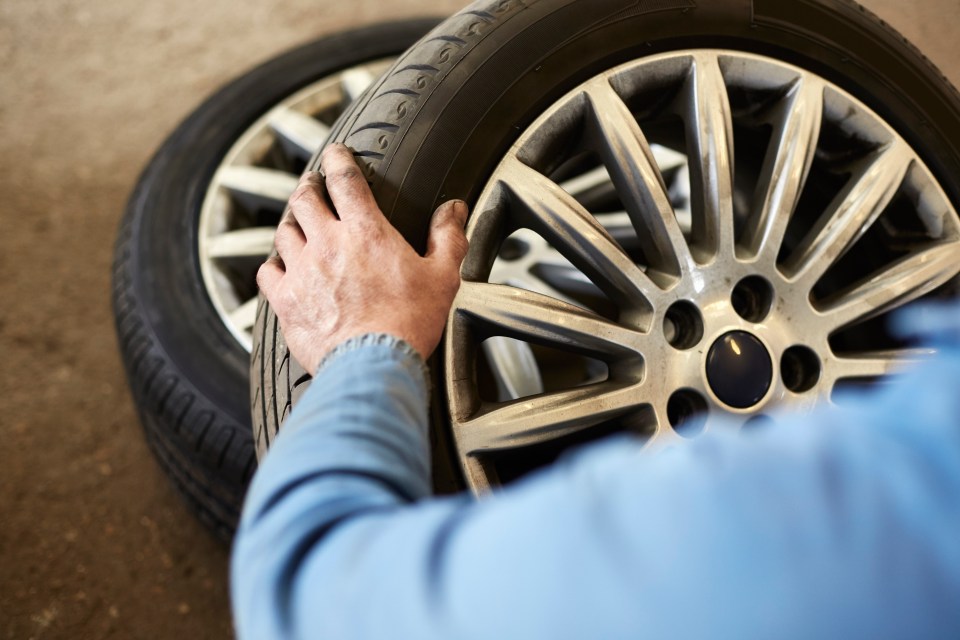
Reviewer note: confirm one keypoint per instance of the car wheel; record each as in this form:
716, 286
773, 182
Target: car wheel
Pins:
198, 224
681, 211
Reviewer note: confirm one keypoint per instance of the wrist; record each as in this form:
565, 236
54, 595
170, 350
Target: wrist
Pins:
390, 342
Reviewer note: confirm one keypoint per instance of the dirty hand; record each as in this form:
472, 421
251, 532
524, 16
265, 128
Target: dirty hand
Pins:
337, 279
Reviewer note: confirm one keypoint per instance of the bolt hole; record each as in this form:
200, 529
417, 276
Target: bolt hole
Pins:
513, 249
687, 413
758, 422
752, 299
683, 326
800, 369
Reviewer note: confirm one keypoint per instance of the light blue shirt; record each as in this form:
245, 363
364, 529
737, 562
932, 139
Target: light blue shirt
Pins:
841, 524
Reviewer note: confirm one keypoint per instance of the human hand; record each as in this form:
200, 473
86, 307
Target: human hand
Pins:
338, 279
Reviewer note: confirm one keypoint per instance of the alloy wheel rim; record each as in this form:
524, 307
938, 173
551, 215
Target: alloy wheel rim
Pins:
798, 247
251, 186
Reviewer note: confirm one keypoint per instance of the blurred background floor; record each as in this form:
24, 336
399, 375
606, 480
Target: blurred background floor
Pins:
94, 543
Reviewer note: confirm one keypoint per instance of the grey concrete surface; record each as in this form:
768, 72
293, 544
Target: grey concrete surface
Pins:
93, 541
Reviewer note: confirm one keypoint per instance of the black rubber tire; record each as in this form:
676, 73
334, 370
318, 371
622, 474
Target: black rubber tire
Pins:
439, 121
187, 373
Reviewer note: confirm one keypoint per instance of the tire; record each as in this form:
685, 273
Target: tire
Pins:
438, 124
187, 372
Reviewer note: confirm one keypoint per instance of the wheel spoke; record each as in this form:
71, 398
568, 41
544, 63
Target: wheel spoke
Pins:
528, 271
355, 82
300, 135
526, 315
876, 364
785, 169
709, 125
514, 368
245, 316
857, 206
551, 275
666, 159
546, 417
580, 237
561, 275
258, 188
634, 171
520, 273
581, 185
905, 280
527, 281
246, 243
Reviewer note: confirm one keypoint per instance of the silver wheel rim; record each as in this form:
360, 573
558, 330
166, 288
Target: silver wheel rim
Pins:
251, 186
796, 247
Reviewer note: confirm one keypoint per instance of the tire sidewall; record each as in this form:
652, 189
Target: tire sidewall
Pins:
501, 85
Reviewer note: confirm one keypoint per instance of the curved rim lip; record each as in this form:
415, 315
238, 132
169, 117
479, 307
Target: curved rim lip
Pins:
247, 151
474, 470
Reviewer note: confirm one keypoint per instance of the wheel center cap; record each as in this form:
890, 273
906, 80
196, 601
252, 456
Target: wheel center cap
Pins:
739, 369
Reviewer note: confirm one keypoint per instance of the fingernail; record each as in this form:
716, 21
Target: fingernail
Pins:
460, 211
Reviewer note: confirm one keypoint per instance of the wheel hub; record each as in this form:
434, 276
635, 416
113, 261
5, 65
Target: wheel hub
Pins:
739, 369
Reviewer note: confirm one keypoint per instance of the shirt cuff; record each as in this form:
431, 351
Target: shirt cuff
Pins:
372, 340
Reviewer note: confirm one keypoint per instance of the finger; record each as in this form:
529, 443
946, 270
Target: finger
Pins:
290, 239
448, 242
310, 206
269, 275
347, 185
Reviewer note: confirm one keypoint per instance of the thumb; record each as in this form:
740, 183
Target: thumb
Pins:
448, 242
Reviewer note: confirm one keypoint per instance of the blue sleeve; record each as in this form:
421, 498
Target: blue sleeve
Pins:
837, 524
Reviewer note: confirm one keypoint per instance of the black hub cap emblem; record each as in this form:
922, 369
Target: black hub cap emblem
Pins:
739, 369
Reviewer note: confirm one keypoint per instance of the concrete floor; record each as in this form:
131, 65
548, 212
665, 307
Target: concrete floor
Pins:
93, 541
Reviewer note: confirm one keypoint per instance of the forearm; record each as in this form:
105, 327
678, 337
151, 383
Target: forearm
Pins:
356, 443
837, 524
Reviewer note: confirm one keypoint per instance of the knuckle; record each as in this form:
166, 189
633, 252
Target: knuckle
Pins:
304, 198
263, 281
344, 176
312, 178
301, 192
287, 227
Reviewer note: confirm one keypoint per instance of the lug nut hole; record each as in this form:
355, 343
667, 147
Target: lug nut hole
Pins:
683, 326
687, 412
800, 369
758, 422
513, 249
752, 299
